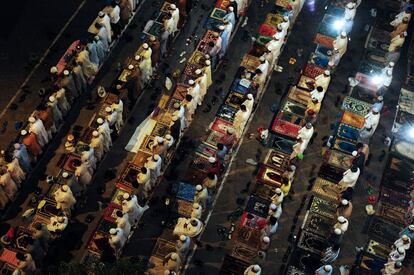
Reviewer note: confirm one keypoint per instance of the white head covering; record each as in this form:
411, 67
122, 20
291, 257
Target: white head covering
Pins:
32, 119
108, 110
100, 121
95, 133
145, 46
112, 231
343, 34
53, 70
23, 132
130, 67
101, 14
341, 219
212, 159
51, 98
66, 72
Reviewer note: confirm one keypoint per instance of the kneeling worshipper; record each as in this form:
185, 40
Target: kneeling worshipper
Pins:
65, 200
298, 148
323, 80
409, 231
196, 211
60, 96
97, 145
169, 140
391, 268
154, 164
182, 246
317, 94
16, 172
397, 254
201, 196
240, 120
8, 184
370, 125
117, 239
253, 270
36, 127
342, 224
397, 41
306, 133
57, 224
172, 262
160, 147
83, 174
104, 129
264, 243
229, 139
403, 242
131, 206
122, 222
190, 227
88, 157
274, 211
341, 43
344, 209
25, 264
350, 178
278, 197
324, 270
20, 153
32, 145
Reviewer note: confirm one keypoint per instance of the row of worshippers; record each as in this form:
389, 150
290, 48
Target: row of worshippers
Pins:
398, 253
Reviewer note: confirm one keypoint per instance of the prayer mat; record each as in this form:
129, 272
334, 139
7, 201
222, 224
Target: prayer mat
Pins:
97, 239
258, 206
406, 101
206, 150
140, 158
323, 207
378, 40
197, 58
218, 14
257, 50
213, 138
180, 92
221, 125
311, 242
339, 3
8, 256
248, 236
383, 231
318, 224
123, 77
404, 148
371, 263
280, 143
70, 161
196, 175
347, 132
232, 265
243, 252
283, 3
312, 70
285, 128
252, 221
344, 146
222, 4
392, 213
264, 191
277, 160
326, 189
331, 173
273, 19
147, 144
304, 261
162, 248
319, 60
336, 11
270, 176
160, 130
250, 62
49, 209
369, 68
263, 40
326, 26
51, 192
299, 95
190, 70
353, 119
110, 212
324, 40
235, 99
306, 83
241, 87
185, 191
170, 106
365, 86
184, 79
397, 174
295, 108
324, 51
87, 134
91, 258
339, 159
393, 197
378, 249
184, 208
129, 175
38, 219
156, 29
267, 30
104, 226
293, 118
375, 57
22, 238
226, 112
207, 38
80, 145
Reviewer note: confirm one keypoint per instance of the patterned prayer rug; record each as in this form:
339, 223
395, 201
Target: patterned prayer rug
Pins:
398, 174
70, 161
243, 252
277, 160
356, 106
258, 206
273, 19
371, 264
49, 209
235, 99
285, 128
339, 159
270, 176
197, 58
344, 146
221, 125
232, 265
323, 207
163, 247
264, 191
218, 14
183, 208
104, 226
326, 189
250, 62
238, 87
180, 92
226, 112
353, 119
319, 60
146, 145
213, 138
110, 212
319, 225
324, 40
393, 197
312, 70
378, 249
383, 231
299, 95
347, 132
311, 242
97, 239
392, 213
206, 150
252, 221
280, 143
140, 158
248, 236
185, 191
129, 175
197, 173
331, 173
306, 83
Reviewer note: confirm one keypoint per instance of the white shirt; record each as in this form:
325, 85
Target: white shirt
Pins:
115, 14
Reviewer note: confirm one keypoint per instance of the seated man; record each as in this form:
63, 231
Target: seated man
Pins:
190, 227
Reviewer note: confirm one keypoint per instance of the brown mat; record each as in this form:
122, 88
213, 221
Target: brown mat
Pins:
140, 158
232, 266
311, 242
243, 252
339, 159
378, 249
392, 213
277, 160
323, 207
319, 224
299, 95
162, 248
326, 189
270, 176
248, 236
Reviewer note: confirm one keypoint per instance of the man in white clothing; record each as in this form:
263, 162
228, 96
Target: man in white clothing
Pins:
201, 196
131, 206
253, 270
88, 157
97, 145
64, 199
175, 14
194, 91
117, 239
36, 126
341, 43
317, 94
154, 164
104, 129
350, 177
397, 41
323, 80
278, 197
370, 124
240, 120
342, 224
350, 11
105, 21
274, 46
122, 222
404, 242
306, 133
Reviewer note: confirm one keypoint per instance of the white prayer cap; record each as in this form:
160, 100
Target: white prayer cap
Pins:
230, 131
207, 56
96, 38
65, 175
327, 268
405, 33
156, 157
212, 159
199, 187
343, 34
53, 70
293, 167
118, 86
137, 57
344, 202
273, 206
95, 133
262, 59
411, 227
145, 46
191, 82
221, 28
173, 6
64, 188
376, 109
183, 238
112, 231
125, 196
100, 121
231, 9
256, 268
160, 140
16, 146
404, 237
174, 118
108, 110
196, 205
308, 125
130, 67
285, 18
51, 98
176, 105
337, 231
101, 14
23, 132
380, 98
327, 72
278, 191
391, 64
174, 256
250, 96
198, 71
168, 137
354, 153
401, 250
66, 72
266, 239
32, 119
341, 219
208, 62
350, 5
